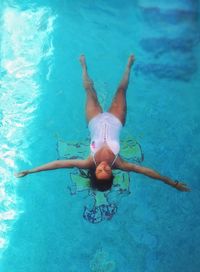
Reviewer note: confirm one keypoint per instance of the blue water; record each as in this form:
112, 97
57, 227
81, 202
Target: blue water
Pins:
155, 228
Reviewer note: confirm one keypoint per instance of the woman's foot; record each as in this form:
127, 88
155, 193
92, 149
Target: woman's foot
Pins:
131, 60
83, 61
88, 83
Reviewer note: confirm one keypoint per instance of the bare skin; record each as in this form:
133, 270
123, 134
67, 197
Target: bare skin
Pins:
104, 156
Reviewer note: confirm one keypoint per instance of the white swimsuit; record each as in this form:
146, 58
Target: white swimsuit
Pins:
105, 128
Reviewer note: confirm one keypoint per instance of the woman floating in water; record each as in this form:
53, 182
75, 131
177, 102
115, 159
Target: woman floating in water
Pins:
105, 128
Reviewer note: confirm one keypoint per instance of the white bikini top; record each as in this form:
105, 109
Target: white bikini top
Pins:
106, 133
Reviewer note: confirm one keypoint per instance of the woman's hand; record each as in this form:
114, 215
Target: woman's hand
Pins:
21, 174
181, 186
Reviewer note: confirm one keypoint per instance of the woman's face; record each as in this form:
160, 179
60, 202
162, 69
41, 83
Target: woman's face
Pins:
103, 171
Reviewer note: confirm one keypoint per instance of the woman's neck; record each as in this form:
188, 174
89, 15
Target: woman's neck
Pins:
104, 154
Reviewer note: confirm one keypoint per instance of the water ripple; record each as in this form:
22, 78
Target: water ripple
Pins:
25, 43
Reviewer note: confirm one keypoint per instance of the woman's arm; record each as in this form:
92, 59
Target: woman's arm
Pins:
84, 164
153, 174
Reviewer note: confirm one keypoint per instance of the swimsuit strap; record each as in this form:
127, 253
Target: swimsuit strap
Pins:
114, 160
94, 160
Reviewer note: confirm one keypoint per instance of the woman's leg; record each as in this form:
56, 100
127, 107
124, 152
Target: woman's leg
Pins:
92, 104
118, 106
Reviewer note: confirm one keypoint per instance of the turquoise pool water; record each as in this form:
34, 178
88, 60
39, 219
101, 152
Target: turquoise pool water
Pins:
150, 227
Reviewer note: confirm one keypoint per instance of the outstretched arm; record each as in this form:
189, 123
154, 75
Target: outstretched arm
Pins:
155, 175
84, 164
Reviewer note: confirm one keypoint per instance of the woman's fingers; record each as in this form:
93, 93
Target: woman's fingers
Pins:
182, 187
21, 174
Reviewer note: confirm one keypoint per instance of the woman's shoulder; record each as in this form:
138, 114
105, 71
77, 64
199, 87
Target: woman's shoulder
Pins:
119, 163
90, 161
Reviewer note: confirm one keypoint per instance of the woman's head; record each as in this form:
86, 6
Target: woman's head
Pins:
103, 171
101, 178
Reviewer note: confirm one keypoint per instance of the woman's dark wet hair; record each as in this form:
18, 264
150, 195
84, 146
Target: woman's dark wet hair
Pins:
98, 184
